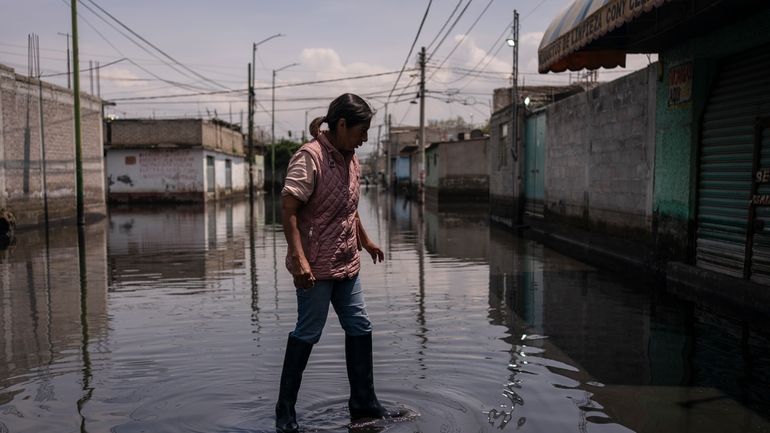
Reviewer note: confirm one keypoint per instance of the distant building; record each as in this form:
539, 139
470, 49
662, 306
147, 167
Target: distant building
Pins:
457, 170
403, 148
507, 196
37, 151
189, 160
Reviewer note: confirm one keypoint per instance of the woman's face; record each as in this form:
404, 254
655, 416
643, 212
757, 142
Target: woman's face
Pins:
351, 137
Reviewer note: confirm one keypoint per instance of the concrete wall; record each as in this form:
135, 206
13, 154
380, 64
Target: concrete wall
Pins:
239, 173
21, 169
148, 173
151, 133
217, 136
600, 156
501, 168
134, 133
170, 174
459, 169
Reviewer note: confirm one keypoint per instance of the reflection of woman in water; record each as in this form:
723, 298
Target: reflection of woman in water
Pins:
325, 235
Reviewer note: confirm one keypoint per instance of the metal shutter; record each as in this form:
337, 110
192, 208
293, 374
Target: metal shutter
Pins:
727, 153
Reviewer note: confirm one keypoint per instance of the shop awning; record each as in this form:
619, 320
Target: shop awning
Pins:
567, 42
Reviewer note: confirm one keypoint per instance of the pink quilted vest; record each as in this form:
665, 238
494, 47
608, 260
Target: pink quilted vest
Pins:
327, 222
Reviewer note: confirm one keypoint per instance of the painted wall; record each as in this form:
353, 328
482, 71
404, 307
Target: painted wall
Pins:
151, 172
678, 127
600, 155
21, 169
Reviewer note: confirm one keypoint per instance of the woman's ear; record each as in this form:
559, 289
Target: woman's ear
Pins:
341, 123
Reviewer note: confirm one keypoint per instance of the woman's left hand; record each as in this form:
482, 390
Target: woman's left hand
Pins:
375, 252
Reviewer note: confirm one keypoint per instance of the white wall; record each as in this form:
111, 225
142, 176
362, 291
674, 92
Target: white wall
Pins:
155, 171
168, 171
240, 171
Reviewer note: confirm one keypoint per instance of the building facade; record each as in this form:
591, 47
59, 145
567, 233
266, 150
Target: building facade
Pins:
37, 148
187, 160
456, 171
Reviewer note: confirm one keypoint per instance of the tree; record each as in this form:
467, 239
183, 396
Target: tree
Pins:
284, 150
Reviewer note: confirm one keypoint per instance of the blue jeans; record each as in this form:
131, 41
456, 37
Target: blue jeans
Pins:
346, 296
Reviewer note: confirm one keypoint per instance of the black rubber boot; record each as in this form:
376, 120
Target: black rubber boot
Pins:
294, 363
363, 401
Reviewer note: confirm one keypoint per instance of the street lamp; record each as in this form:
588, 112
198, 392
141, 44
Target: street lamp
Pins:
252, 109
272, 130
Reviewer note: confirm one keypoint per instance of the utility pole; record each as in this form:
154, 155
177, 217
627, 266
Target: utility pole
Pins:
515, 164
98, 81
421, 187
272, 140
388, 163
253, 108
272, 131
78, 138
514, 86
251, 134
69, 86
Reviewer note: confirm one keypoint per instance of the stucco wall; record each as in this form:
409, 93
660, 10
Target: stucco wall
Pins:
155, 171
173, 174
678, 127
21, 170
600, 154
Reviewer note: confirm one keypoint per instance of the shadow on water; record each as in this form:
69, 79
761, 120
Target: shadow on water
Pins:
175, 319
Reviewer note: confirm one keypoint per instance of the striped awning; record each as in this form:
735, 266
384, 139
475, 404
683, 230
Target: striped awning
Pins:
565, 42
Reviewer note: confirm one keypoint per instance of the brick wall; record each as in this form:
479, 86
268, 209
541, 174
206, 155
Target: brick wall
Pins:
151, 132
21, 171
600, 150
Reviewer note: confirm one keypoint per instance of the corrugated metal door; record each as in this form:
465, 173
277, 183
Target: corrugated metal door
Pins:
729, 156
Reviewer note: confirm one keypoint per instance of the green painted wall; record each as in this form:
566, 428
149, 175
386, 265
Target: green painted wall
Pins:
678, 127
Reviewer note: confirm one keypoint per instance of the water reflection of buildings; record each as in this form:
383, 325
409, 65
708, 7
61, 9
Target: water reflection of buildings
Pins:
457, 234
49, 312
661, 364
152, 242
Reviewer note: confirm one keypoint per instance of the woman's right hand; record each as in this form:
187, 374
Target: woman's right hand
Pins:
303, 276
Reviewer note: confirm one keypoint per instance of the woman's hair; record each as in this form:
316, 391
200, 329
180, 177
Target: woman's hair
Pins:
347, 106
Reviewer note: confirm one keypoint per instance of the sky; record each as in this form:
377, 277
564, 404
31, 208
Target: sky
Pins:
201, 49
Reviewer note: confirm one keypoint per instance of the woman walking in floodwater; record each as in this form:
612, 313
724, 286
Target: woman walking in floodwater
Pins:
324, 235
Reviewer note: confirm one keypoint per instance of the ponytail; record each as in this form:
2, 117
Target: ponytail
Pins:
315, 126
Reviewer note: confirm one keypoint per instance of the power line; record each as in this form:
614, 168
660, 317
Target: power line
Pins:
175, 83
154, 46
445, 23
499, 41
233, 91
433, 53
470, 29
188, 86
85, 70
411, 49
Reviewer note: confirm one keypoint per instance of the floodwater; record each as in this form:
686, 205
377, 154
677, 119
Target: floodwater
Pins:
175, 320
